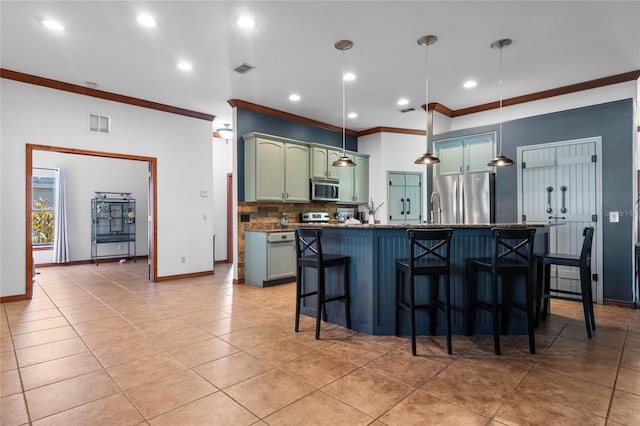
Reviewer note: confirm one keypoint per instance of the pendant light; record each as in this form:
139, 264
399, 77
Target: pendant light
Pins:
427, 158
500, 160
343, 161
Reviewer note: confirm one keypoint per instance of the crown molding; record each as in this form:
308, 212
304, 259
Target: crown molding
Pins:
434, 106
559, 91
101, 94
383, 129
238, 103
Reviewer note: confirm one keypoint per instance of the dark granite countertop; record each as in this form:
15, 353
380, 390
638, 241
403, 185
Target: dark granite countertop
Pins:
425, 225
271, 230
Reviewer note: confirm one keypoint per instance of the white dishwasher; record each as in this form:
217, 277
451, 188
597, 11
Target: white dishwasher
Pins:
269, 257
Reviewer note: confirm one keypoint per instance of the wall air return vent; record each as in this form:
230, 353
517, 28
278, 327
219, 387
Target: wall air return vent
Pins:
99, 124
243, 68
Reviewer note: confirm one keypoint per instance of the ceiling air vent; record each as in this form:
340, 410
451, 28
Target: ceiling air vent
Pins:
99, 124
407, 110
243, 68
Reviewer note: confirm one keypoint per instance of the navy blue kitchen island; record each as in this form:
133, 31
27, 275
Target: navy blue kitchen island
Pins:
373, 250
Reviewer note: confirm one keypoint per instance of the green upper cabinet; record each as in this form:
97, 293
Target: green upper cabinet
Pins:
321, 163
276, 169
296, 173
468, 154
354, 181
451, 155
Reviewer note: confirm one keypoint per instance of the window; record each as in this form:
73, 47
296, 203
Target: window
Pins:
43, 210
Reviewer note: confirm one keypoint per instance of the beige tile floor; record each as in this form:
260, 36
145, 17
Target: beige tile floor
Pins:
99, 345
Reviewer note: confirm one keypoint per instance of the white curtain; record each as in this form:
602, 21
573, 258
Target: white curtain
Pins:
61, 239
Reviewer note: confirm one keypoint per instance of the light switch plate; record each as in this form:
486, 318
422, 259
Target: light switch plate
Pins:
614, 217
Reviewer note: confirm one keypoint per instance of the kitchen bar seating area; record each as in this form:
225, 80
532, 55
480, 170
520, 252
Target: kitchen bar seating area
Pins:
104, 343
372, 250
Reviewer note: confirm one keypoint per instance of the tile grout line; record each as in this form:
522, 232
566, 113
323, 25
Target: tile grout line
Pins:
615, 380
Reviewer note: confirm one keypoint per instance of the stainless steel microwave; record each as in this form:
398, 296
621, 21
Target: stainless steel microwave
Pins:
325, 191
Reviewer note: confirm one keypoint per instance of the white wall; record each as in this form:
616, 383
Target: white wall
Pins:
85, 175
392, 152
182, 146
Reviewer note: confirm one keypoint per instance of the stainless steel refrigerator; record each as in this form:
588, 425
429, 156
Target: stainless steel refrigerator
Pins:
464, 199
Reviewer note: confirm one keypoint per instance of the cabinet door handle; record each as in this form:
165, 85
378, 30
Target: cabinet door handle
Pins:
402, 201
563, 188
409, 206
460, 169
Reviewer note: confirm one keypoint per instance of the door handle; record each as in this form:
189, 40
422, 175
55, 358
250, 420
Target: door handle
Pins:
402, 208
563, 188
409, 208
549, 191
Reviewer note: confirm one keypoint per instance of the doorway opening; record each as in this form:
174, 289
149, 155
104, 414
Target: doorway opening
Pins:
229, 218
152, 224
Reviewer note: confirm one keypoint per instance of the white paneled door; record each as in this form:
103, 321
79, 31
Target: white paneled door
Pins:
560, 183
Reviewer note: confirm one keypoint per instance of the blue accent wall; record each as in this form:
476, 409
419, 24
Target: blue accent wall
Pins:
251, 121
613, 121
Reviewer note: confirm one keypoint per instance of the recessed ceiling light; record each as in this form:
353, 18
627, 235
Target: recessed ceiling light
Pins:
349, 76
403, 101
147, 21
185, 66
294, 97
352, 115
246, 22
53, 25
469, 84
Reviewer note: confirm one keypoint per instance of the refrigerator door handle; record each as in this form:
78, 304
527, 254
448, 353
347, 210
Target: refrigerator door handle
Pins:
459, 205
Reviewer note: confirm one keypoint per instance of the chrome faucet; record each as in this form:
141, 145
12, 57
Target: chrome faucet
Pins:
436, 214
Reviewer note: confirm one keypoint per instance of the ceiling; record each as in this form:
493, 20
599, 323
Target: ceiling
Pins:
555, 43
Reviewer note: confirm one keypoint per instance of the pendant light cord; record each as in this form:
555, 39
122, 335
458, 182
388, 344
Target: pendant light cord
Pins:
344, 109
426, 91
500, 90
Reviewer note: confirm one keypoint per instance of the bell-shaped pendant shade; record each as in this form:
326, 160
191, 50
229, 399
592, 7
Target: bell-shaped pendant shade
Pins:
427, 158
501, 161
343, 161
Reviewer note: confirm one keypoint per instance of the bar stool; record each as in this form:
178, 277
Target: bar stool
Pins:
309, 255
583, 262
512, 255
429, 252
